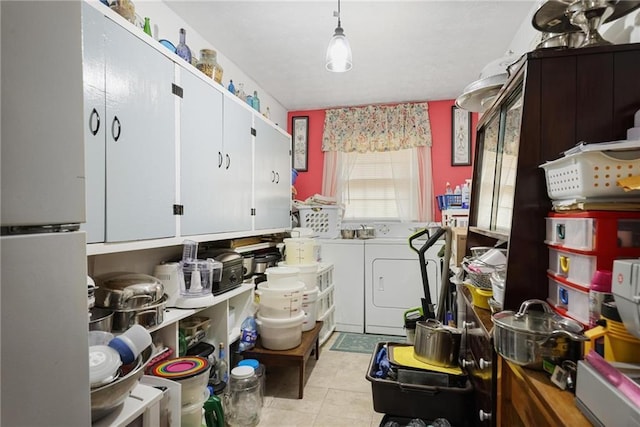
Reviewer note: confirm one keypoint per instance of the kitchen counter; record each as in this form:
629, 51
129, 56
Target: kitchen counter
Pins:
528, 398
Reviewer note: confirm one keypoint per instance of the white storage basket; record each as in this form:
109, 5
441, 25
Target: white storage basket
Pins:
591, 174
324, 220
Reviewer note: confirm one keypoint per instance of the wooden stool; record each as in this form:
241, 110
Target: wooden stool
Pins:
295, 356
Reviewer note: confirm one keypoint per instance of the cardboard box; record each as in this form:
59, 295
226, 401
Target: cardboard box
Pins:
458, 244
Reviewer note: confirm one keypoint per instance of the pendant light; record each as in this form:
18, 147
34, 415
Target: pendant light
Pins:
339, 52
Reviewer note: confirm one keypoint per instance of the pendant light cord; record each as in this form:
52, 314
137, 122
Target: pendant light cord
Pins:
339, 25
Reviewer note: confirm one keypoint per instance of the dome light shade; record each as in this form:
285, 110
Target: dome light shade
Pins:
339, 53
338, 59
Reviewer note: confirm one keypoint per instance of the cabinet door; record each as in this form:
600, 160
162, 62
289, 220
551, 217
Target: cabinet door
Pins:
235, 190
200, 156
140, 130
42, 150
272, 170
93, 60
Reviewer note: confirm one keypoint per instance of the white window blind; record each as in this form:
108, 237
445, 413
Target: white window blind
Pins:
380, 185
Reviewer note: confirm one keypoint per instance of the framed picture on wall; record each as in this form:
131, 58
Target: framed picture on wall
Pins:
300, 138
460, 137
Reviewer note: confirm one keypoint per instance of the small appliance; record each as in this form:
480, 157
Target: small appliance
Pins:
169, 274
232, 269
197, 277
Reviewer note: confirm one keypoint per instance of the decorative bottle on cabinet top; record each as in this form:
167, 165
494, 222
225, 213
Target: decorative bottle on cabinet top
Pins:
147, 26
255, 101
182, 49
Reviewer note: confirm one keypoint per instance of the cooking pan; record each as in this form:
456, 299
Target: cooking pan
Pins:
437, 344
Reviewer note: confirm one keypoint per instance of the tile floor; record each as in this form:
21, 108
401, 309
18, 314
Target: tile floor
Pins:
336, 393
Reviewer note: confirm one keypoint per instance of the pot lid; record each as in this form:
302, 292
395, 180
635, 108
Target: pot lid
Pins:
551, 17
104, 363
181, 368
535, 322
479, 95
137, 283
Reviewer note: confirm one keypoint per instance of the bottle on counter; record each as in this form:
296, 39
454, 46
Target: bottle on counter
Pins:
465, 195
447, 189
182, 50
457, 190
599, 292
222, 364
255, 101
147, 26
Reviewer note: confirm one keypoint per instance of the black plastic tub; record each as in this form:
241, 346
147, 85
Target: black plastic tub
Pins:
455, 404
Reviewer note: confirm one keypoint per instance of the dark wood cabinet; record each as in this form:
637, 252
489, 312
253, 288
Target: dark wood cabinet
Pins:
553, 99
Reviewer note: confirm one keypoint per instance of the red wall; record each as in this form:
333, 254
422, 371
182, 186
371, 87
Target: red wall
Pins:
310, 182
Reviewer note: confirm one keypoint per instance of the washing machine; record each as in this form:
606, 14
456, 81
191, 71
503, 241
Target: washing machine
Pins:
393, 282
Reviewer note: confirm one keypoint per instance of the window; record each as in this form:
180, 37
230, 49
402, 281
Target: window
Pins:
379, 185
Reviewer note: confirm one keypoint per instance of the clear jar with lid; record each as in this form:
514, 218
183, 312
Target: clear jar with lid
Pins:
243, 400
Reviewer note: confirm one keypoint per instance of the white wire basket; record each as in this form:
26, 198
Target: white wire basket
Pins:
591, 174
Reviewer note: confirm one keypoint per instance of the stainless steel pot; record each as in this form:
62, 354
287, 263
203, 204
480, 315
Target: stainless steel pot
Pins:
262, 262
529, 337
123, 291
100, 319
347, 233
366, 232
148, 316
436, 344
248, 265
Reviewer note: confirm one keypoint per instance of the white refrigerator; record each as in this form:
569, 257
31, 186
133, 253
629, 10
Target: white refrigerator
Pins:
44, 373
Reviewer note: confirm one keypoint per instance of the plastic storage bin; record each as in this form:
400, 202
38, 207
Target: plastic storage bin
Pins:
448, 201
569, 299
324, 220
616, 233
325, 276
575, 267
590, 174
420, 401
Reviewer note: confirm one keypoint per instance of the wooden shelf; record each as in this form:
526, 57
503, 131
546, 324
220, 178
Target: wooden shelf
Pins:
498, 235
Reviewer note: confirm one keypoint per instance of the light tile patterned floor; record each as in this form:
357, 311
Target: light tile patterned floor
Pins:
336, 393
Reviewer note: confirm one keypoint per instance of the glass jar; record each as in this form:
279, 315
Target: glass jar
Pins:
243, 400
207, 62
126, 9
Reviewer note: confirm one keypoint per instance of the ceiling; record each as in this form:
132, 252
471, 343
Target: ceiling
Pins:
421, 50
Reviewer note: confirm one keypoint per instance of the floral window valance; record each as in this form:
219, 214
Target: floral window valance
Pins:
377, 128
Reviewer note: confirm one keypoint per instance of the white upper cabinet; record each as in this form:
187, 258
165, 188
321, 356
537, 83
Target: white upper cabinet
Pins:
136, 113
42, 150
272, 182
201, 157
235, 191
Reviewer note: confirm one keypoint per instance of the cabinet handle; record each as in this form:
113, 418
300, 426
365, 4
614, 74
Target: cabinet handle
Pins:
115, 122
468, 324
484, 416
467, 363
277, 177
564, 264
484, 363
273, 176
560, 231
228, 161
219, 159
381, 283
94, 130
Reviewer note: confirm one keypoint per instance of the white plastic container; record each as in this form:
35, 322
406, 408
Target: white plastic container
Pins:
301, 250
590, 174
309, 274
571, 233
576, 268
280, 303
572, 298
191, 414
310, 308
280, 334
282, 277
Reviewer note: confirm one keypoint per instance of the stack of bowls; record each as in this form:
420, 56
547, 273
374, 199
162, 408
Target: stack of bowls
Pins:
192, 372
280, 316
